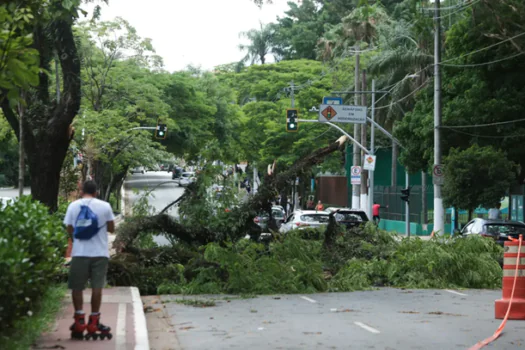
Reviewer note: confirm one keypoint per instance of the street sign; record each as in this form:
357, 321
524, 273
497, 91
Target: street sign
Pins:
370, 162
332, 100
355, 173
342, 114
438, 175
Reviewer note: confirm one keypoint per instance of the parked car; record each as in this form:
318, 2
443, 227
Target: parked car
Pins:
499, 230
278, 214
301, 219
186, 178
349, 217
138, 170
154, 167
176, 173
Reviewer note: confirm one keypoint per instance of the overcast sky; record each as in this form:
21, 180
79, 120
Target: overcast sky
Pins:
199, 32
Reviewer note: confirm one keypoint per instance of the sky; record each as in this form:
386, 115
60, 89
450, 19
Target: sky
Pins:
201, 33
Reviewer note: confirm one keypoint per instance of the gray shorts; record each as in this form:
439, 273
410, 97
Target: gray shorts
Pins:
83, 269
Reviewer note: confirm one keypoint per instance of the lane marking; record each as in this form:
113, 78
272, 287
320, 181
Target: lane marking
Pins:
368, 328
139, 320
308, 299
454, 292
121, 327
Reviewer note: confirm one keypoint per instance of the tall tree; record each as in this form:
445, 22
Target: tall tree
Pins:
47, 122
260, 43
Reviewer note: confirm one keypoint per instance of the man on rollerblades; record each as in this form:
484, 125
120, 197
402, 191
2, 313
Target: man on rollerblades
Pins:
88, 221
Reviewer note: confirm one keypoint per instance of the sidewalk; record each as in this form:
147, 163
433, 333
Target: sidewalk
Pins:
122, 310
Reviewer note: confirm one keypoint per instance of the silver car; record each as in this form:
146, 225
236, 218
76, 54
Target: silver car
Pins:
302, 219
186, 178
138, 170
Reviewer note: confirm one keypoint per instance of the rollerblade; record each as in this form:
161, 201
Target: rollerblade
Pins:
96, 330
78, 328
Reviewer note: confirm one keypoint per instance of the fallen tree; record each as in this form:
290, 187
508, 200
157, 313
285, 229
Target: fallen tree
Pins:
239, 221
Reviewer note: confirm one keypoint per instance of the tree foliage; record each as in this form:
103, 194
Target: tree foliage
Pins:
477, 176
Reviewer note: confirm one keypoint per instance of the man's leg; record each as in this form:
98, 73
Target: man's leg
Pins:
78, 299
98, 267
78, 276
98, 270
96, 300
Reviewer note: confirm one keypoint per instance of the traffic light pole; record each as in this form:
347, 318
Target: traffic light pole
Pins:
407, 206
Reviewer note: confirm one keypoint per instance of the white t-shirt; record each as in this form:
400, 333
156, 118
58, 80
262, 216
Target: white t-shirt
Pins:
494, 214
97, 246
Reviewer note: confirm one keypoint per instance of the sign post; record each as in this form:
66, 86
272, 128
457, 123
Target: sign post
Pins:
370, 162
355, 175
332, 100
342, 114
438, 175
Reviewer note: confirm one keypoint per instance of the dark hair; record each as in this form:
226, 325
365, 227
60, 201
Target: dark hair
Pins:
90, 187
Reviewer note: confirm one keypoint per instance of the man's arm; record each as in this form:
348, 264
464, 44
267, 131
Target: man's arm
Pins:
111, 226
70, 230
110, 220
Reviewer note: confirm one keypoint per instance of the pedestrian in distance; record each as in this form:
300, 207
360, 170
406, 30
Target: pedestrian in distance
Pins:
319, 206
375, 212
495, 213
88, 222
310, 204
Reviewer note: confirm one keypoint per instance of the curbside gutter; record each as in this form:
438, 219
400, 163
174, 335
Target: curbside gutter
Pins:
139, 319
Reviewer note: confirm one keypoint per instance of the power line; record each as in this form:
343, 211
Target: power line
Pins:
404, 97
484, 48
483, 125
465, 4
460, 10
484, 63
482, 136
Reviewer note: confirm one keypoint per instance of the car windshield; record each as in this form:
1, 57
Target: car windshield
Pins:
505, 229
347, 216
315, 218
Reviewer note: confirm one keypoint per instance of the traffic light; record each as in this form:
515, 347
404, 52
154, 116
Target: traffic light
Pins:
292, 116
161, 131
405, 194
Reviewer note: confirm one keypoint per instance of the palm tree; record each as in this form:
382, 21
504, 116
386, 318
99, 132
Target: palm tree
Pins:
361, 25
403, 52
261, 43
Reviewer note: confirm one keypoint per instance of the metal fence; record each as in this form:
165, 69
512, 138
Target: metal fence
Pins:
391, 196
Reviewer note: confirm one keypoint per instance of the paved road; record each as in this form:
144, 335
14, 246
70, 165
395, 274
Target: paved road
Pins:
13, 192
383, 319
160, 197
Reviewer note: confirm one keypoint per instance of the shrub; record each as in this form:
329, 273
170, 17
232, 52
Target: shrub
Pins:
32, 247
462, 262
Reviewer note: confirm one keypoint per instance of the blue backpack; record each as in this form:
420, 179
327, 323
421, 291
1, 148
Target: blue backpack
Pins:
86, 225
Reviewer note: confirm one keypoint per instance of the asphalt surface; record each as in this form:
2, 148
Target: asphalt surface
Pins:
382, 319
159, 189
13, 192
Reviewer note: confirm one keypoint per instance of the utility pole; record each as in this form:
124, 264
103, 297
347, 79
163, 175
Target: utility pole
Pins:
295, 193
372, 151
364, 173
21, 163
407, 206
356, 189
439, 212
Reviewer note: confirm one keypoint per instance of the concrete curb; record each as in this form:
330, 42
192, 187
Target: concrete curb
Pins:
139, 319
